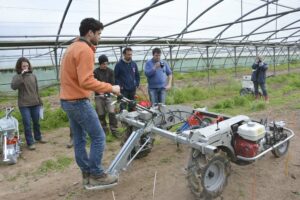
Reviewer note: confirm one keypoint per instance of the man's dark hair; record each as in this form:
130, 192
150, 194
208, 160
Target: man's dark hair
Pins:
126, 49
156, 50
90, 24
102, 59
19, 65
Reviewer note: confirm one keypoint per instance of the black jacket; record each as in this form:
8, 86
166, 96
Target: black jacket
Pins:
104, 75
259, 72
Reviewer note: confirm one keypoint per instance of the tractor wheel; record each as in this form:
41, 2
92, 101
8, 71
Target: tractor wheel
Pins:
147, 148
12, 159
281, 149
207, 176
245, 91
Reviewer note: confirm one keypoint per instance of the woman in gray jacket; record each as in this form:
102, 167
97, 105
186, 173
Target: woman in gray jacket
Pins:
29, 101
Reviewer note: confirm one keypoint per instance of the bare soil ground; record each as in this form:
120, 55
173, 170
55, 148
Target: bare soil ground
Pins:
268, 178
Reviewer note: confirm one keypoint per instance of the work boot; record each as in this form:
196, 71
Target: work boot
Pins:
70, 145
113, 124
41, 141
31, 147
103, 123
85, 178
71, 142
116, 133
267, 99
103, 179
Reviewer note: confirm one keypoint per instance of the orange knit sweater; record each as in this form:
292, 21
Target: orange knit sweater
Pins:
76, 73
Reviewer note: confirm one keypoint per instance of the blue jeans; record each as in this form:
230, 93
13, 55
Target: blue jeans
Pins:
83, 119
157, 95
28, 113
262, 86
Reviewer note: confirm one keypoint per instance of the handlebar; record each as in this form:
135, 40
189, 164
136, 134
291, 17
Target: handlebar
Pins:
121, 98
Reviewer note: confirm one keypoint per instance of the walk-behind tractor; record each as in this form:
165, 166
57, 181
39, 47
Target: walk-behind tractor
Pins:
216, 140
247, 86
9, 138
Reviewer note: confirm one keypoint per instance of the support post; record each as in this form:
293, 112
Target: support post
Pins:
235, 61
288, 48
121, 49
242, 31
274, 62
171, 63
207, 64
256, 51
171, 58
56, 63
99, 10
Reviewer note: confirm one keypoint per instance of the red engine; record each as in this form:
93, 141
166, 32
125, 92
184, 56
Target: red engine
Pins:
13, 140
245, 148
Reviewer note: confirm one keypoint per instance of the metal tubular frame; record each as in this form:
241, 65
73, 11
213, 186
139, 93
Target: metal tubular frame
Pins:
239, 19
127, 38
231, 44
294, 22
57, 37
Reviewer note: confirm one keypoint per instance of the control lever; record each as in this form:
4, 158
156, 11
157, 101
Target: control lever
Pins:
126, 100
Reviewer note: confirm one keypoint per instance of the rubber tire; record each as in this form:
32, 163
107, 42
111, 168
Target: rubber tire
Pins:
198, 167
12, 159
126, 134
145, 152
245, 91
277, 152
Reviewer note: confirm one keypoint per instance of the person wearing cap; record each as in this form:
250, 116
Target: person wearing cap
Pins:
127, 77
259, 77
103, 100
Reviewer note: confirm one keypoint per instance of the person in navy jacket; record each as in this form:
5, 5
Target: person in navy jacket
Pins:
259, 77
127, 77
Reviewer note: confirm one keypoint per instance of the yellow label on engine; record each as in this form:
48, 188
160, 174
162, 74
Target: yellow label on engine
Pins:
260, 131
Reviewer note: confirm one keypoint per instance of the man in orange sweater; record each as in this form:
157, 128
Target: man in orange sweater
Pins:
77, 84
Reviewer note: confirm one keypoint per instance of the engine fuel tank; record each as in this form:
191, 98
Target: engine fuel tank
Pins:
252, 131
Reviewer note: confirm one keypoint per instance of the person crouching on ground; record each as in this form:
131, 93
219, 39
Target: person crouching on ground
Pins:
29, 101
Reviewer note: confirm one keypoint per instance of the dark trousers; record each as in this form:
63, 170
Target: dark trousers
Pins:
129, 95
262, 86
